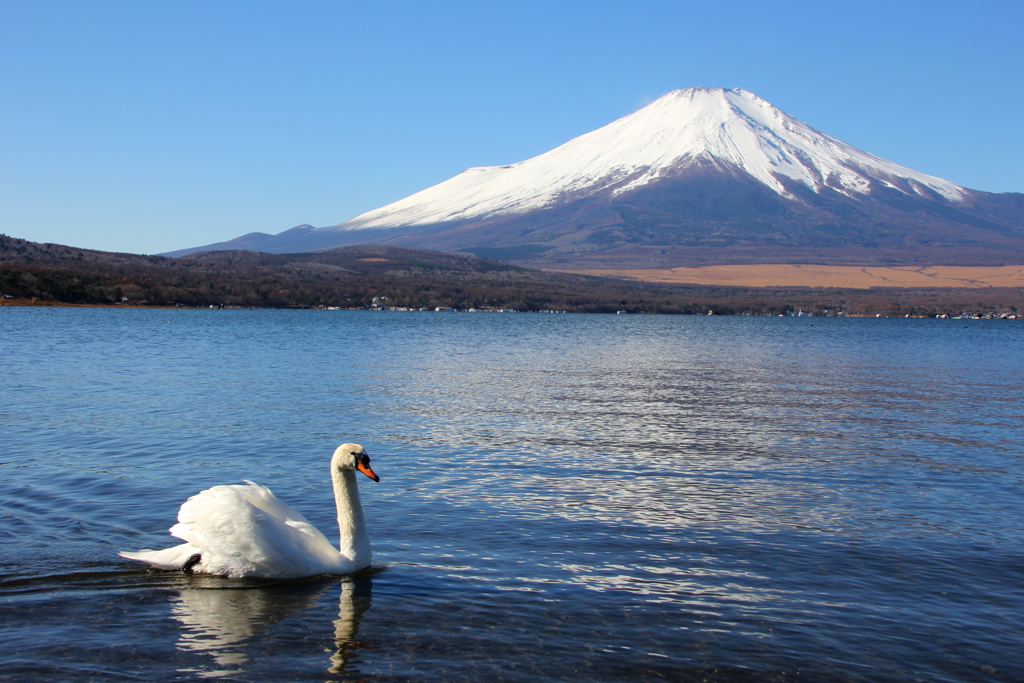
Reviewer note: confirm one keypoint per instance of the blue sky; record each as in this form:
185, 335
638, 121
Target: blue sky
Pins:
152, 126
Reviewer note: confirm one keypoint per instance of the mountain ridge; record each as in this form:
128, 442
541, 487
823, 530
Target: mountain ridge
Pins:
700, 176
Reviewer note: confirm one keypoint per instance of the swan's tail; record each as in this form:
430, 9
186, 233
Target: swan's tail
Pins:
168, 558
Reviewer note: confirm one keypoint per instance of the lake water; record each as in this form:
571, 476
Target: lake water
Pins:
566, 497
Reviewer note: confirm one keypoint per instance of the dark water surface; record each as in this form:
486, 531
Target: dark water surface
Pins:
590, 498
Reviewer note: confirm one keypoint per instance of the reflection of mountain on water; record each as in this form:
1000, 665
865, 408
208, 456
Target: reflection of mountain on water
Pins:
221, 622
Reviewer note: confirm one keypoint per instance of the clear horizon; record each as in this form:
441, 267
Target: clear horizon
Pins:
150, 128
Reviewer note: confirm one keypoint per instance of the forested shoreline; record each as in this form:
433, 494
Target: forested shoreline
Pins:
374, 275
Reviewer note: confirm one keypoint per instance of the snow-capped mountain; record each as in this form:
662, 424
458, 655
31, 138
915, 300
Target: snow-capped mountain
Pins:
683, 128
700, 176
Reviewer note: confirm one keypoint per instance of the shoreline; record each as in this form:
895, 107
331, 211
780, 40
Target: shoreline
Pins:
64, 304
28, 303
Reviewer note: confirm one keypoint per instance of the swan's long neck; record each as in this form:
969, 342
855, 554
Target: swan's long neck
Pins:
354, 540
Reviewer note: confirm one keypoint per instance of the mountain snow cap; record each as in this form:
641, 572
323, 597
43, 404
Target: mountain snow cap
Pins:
731, 128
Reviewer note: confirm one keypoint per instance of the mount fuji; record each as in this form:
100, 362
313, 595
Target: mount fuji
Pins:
701, 176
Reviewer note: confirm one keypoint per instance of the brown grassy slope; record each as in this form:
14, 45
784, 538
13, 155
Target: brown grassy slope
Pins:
856, 277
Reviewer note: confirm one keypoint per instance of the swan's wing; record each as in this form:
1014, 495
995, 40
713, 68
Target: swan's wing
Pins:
240, 538
265, 500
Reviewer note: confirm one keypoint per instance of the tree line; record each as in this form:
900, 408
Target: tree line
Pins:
362, 276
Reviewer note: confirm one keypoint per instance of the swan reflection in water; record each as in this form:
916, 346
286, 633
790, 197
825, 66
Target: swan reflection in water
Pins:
356, 598
221, 622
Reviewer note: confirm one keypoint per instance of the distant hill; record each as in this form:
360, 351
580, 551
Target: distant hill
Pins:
702, 176
360, 276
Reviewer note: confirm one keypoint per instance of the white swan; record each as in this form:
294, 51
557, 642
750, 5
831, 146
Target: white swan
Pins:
244, 530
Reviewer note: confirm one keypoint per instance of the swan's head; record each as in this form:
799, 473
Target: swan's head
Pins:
352, 456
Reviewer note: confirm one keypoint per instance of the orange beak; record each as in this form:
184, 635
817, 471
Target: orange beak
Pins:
365, 469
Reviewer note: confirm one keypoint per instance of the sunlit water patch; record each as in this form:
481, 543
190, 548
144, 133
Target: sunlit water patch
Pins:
567, 497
